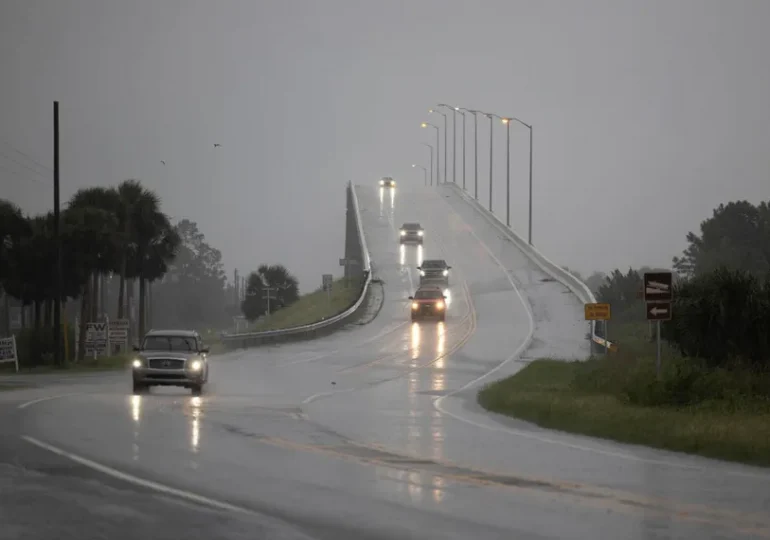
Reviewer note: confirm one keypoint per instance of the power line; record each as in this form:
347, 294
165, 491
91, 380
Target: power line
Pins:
24, 179
33, 160
24, 166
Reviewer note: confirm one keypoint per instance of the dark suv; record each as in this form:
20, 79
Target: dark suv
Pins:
434, 271
428, 303
411, 233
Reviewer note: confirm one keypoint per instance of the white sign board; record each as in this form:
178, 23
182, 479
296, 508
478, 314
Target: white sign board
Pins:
8, 351
119, 332
97, 338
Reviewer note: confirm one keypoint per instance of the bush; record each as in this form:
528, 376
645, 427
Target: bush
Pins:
722, 317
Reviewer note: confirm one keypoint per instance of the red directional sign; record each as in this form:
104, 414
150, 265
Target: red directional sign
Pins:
658, 311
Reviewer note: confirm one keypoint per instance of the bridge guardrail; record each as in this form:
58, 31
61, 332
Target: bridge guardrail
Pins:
558, 273
309, 331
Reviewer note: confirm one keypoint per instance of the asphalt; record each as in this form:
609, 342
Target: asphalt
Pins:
372, 432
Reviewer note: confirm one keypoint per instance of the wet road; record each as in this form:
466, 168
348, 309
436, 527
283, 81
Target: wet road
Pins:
374, 432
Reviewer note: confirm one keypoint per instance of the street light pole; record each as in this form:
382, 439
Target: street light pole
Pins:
507, 123
476, 155
491, 126
431, 161
529, 127
57, 330
438, 155
445, 146
425, 173
463, 113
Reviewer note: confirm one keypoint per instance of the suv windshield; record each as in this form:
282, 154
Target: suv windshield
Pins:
412, 226
433, 264
170, 343
429, 293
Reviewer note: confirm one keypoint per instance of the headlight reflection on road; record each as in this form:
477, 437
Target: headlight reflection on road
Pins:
382, 202
402, 254
440, 344
419, 255
392, 198
448, 298
415, 330
195, 403
136, 408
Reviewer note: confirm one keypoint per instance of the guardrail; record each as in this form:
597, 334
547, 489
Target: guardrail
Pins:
558, 273
320, 328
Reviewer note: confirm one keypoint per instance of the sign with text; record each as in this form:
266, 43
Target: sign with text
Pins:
8, 351
97, 338
597, 312
658, 287
119, 332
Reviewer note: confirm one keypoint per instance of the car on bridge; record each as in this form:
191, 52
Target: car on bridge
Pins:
428, 302
387, 181
171, 358
434, 271
411, 233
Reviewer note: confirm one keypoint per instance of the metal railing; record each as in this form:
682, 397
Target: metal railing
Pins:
575, 285
316, 329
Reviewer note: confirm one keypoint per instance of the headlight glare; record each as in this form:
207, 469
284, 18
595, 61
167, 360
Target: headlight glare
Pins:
136, 363
196, 365
420, 233
446, 272
415, 305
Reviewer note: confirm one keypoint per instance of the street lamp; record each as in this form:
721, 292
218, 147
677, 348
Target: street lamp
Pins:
454, 140
507, 122
491, 125
438, 154
424, 171
529, 127
475, 151
445, 148
463, 113
431, 161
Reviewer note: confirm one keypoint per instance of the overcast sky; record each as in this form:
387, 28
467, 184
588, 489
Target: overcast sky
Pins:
647, 114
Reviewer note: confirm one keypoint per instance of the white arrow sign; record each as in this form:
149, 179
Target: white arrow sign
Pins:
658, 311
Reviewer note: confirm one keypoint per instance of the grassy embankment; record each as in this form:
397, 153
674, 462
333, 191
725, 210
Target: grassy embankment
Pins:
714, 413
312, 307
88, 364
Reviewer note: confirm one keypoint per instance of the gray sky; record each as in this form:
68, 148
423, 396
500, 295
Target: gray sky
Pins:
647, 114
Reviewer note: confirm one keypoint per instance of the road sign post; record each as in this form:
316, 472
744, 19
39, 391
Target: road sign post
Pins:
326, 283
658, 297
600, 312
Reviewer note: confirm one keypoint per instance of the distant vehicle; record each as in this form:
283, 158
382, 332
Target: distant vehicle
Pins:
434, 271
171, 358
428, 303
387, 181
411, 233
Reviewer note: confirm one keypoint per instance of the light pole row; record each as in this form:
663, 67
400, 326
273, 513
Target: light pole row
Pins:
506, 120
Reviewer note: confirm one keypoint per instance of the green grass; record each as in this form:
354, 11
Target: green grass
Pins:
713, 413
312, 307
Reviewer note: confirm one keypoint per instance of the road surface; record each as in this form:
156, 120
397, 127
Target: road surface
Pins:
369, 433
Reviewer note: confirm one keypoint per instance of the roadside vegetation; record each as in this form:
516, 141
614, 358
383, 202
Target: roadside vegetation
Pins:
312, 307
712, 397
122, 258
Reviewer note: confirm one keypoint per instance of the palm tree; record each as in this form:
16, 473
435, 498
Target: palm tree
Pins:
91, 242
105, 258
138, 207
157, 244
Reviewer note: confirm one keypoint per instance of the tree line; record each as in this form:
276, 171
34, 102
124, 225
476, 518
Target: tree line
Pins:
112, 238
721, 308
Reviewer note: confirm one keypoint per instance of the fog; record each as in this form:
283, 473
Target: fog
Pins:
646, 114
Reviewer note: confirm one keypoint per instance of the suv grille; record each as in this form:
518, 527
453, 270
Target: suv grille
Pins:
166, 363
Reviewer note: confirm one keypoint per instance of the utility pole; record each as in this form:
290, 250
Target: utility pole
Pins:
57, 238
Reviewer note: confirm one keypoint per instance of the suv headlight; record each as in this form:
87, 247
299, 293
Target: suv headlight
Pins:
403, 233
196, 365
382, 182
446, 272
422, 272
420, 233
136, 364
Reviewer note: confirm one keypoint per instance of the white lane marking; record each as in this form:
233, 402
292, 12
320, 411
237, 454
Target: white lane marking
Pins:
539, 438
47, 398
131, 479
